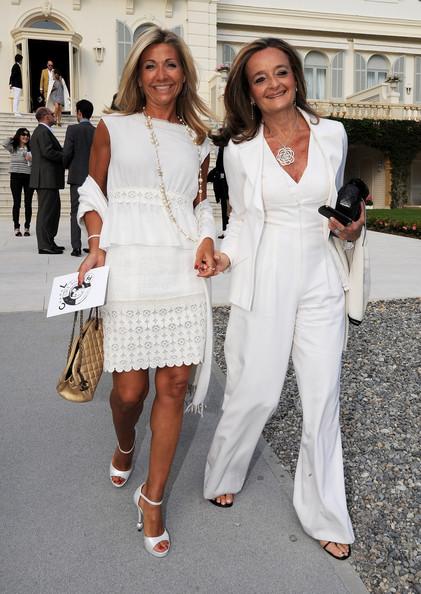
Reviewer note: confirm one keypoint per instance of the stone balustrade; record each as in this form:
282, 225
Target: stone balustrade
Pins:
372, 111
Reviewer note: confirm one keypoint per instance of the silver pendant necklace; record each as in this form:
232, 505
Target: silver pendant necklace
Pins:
286, 155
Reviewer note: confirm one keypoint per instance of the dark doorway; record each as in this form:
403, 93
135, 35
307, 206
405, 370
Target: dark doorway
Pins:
39, 52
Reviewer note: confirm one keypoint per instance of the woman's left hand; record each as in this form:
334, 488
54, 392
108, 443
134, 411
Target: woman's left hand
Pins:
205, 261
349, 232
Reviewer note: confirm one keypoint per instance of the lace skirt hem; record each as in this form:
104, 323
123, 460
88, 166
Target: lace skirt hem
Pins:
159, 333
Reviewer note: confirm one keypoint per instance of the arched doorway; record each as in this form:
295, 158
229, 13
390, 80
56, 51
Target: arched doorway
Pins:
40, 38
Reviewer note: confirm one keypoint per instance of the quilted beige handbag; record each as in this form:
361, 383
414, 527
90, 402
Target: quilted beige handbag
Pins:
85, 359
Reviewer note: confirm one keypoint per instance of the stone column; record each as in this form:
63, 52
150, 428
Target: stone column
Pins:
349, 68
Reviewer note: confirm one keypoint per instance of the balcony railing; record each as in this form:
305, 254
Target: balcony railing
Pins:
371, 111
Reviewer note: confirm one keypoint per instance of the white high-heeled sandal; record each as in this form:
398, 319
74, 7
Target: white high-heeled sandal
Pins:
123, 474
150, 541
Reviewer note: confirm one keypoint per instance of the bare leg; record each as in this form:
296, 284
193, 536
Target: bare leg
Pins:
166, 421
130, 389
57, 113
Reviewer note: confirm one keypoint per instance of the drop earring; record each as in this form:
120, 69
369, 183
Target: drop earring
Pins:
295, 98
252, 109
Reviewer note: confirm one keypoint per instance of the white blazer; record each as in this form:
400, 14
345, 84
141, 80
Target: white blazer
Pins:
243, 165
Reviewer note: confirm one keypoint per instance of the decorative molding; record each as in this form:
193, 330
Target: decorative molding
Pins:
129, 6
17, 2
239, 16
77, 4
169, 8
47, 8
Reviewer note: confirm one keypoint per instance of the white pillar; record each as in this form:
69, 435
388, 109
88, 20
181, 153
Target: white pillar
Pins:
349, 68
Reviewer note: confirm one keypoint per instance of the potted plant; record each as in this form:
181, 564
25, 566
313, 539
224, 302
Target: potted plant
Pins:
369, 202
222, 68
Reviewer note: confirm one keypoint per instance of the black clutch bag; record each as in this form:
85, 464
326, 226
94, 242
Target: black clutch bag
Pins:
348, 204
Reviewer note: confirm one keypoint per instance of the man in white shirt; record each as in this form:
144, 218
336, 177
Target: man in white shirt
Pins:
15, 83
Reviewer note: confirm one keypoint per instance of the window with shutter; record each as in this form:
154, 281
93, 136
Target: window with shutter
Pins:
399, 70
377, 70
228, 54
417, 90
124, 44
337, 76
315, 72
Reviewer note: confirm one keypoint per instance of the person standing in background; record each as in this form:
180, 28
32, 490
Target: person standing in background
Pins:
56, 96
47, 177
47, 79
76, 151
220, 187
20, 171
15, 83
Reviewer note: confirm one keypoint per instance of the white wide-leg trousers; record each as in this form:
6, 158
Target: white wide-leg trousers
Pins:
16, 98
298, 308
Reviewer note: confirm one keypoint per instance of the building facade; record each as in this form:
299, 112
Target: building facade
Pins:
362, 58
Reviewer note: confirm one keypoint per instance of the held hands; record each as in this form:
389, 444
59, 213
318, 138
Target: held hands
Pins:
349, 232
222, 262
205, 261
94, 259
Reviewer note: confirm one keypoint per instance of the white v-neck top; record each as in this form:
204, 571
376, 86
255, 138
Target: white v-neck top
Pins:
287, 202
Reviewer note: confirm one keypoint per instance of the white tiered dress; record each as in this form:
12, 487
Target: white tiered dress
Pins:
157, 309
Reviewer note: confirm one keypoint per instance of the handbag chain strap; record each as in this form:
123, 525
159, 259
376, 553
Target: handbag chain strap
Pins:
84, 385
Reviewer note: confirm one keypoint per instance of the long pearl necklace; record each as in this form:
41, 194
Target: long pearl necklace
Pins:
165, 200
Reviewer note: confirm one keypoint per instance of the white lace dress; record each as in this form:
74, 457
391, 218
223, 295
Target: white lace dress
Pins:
156, 309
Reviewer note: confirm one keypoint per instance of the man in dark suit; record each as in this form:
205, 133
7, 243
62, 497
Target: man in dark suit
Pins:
217, 177
15, 83
47, 177
76, 151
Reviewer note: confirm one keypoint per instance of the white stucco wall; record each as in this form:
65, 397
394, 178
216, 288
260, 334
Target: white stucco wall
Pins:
95, 20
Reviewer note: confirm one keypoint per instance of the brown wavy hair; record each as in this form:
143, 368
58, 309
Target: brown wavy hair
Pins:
131, 99
238, 124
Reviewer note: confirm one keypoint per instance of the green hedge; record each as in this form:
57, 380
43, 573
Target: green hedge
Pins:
398, 139
400, 221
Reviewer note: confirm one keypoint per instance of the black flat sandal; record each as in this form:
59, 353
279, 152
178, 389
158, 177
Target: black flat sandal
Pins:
343, 557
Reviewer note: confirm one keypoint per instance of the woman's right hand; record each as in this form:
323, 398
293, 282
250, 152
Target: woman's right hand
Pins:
94, 259
222, 262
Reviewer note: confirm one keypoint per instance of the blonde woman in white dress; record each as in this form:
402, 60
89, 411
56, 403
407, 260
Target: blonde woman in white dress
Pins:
147, 217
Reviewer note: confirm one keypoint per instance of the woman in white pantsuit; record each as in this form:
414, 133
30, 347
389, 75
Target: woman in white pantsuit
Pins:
288, 284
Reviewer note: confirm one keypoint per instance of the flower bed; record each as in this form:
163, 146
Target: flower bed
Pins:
399, 221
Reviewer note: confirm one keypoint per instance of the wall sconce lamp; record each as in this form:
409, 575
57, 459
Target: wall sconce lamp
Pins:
408, 89
99, 51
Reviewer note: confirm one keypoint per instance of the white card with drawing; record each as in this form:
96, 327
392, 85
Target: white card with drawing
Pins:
67, 296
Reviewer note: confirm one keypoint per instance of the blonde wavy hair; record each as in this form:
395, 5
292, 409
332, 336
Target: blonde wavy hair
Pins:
131, 99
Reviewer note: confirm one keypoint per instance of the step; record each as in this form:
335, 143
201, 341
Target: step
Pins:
8, 125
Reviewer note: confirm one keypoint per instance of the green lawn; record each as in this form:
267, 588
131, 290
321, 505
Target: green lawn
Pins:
408, 216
